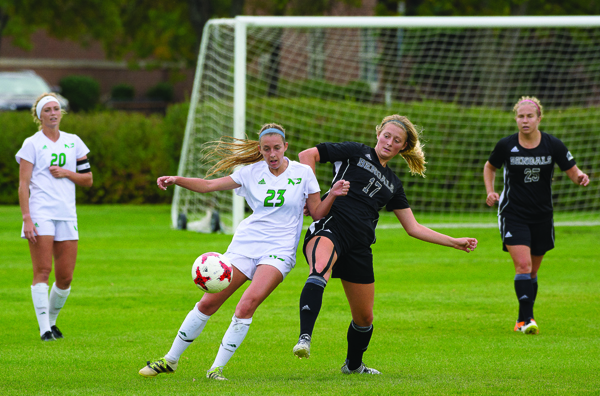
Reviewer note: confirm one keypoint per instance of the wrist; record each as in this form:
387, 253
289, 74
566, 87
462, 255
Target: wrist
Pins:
26, 216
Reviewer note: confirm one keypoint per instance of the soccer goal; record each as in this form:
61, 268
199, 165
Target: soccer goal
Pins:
335, 78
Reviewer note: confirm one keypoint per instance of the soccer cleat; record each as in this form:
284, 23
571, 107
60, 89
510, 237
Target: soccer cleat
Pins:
529, 327
216, 374
47, 336
302, 348
56, 332
152, 369
361, 370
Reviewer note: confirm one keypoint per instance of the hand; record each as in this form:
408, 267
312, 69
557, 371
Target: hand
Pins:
29, 230
492, 198
306, 211
583, 179
465, 244
340, 188
165, 181
58, 172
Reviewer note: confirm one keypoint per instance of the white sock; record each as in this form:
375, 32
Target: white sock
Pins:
39, 295
57, 301
190, 329
233, 338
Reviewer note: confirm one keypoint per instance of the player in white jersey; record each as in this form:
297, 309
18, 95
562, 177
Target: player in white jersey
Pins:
263, 248
51, 163
525, 214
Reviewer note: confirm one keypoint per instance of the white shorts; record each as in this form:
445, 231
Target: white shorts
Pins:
247, 265
61, 230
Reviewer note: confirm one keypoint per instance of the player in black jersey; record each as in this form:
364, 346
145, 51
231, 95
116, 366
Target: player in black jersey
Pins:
339, 245
525, 205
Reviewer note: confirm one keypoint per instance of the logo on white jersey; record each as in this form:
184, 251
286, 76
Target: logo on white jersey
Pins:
508, 235
514, 150
262, 182
45, 147
368, 156
569, 156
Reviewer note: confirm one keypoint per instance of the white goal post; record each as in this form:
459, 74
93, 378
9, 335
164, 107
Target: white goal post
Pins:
335, 78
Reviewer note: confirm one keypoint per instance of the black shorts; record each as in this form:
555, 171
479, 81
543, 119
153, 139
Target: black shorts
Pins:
538, 236
355, 258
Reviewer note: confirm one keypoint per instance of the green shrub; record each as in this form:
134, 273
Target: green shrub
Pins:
161, 91
122, 92
83, 92
359, 90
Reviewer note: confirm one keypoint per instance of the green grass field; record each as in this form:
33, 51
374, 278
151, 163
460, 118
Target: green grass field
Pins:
443, 318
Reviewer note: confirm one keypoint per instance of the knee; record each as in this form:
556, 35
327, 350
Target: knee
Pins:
523, 266
364, 320
41, 275
207, 307
246, 308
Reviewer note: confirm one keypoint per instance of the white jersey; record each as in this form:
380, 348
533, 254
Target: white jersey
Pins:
51, 198
277, 203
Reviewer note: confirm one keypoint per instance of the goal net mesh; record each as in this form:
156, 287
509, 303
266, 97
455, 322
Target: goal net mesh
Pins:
458, 85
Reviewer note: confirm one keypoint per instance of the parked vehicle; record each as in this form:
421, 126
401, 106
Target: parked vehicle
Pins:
20, 89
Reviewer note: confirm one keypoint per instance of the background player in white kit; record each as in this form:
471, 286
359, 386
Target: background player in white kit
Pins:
51, 163
263, 248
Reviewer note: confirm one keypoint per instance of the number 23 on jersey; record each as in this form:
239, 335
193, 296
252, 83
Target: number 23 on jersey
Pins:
274, 198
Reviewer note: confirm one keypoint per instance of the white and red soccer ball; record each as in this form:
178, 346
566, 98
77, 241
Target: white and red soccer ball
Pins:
212, 272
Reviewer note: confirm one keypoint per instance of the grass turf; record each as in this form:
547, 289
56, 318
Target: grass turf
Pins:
443, 318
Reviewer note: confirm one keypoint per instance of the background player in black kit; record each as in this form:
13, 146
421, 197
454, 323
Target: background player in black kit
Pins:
525, 205
339, 245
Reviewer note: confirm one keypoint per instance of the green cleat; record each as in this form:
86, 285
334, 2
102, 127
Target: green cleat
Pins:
216, 374
152, 369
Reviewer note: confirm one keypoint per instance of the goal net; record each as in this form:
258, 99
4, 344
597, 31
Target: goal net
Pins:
335, 78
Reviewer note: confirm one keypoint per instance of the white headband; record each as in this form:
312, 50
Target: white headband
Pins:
42, 103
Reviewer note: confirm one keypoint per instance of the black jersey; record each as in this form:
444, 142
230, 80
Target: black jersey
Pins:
372, 187
527, 191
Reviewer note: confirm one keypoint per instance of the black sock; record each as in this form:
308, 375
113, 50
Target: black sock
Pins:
534, 282
358, 342
525, 295
310, 305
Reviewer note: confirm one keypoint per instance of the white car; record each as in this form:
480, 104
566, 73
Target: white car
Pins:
20, 89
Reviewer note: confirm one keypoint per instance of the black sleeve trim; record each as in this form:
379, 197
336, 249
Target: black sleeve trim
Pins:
323, 153
83, 166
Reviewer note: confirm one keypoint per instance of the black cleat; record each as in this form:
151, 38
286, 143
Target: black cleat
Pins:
56, 332
47, 336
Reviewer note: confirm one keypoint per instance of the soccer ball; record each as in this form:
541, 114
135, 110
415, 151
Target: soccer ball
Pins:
212, 272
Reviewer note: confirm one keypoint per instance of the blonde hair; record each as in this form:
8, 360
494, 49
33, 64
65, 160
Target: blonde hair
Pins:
34, 112
231, 152
413, 153
529, 100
